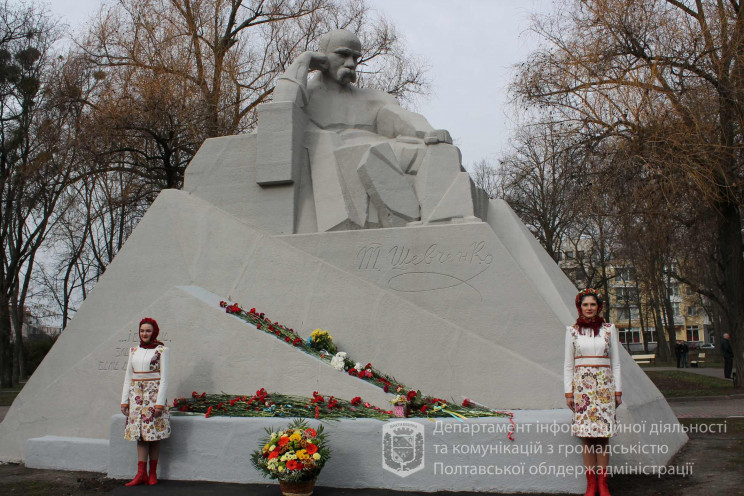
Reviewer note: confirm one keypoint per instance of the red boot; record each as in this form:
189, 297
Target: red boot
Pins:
141, 477
603, 489
591, 483
153, 472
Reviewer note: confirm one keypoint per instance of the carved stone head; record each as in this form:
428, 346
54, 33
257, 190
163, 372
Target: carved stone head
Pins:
343, 50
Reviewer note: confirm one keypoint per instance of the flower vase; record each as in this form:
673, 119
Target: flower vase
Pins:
304, 488
400, 411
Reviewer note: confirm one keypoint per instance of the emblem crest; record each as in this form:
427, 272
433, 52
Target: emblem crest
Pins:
403, 447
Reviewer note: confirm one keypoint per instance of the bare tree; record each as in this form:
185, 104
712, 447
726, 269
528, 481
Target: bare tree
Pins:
37, 163
670, 71
542, 181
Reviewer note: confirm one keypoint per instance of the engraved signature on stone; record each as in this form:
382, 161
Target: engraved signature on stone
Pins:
430, 269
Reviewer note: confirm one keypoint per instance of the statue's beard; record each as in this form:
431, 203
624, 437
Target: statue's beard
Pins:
345, 76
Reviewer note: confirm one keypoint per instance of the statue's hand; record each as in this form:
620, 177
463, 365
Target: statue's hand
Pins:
438, 136
312, 61
318, 62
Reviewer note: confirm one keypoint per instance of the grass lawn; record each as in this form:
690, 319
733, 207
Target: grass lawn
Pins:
675, 384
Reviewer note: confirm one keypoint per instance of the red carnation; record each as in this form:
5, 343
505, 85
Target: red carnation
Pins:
274, 454
424, 408
411, 395
287, 339
467, 403
385, 388
209, 412
356, 400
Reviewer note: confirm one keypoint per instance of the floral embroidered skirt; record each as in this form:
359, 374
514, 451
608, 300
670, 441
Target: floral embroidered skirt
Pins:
142, 425
594, 402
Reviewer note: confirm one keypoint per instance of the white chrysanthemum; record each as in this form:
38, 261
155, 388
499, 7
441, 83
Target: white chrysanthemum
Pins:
337, 362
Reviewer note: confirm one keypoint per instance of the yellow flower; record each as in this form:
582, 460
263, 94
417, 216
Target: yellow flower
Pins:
295, 437
266, 447
281, 468
302, 454
316, 456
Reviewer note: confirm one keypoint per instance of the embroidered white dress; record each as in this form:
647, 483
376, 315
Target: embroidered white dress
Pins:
592, 374
145, 386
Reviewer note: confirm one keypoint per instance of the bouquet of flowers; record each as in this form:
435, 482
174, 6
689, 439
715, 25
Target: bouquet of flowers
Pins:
322, 340
295, 454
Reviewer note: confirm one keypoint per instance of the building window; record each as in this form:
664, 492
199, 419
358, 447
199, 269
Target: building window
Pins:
580, 254
569, 255
693, 333
692, 311
623, 314
632, 335
560, 256
627, 294
674, 289
652, 337
676, 311
624, 274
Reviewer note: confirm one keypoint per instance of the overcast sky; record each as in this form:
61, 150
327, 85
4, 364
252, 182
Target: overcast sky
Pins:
469, 46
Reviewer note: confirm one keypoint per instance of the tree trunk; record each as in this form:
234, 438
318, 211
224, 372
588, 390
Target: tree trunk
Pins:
6, 353
730, 246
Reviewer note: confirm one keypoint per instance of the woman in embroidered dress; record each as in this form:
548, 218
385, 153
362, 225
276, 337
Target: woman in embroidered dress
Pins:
143, 400
592, 385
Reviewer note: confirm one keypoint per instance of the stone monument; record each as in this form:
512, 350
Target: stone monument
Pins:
345, 212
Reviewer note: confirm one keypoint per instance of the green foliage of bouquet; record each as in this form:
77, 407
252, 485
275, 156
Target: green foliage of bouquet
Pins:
322, 340
295, 454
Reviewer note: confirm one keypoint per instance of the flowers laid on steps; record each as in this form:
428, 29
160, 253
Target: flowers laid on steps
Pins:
320, 345
321, 340
325, 407
296, 453
264, 404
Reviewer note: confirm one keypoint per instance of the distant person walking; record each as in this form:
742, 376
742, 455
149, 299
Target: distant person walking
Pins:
678, 352
143, 400
728, 355
591, 380
685, 350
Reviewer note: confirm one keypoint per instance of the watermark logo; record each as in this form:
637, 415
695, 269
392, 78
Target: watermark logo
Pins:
403, 447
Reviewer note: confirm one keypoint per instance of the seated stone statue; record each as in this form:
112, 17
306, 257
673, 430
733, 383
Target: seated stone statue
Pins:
371, 162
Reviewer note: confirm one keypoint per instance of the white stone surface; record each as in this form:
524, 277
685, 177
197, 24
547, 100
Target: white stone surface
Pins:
476, 317
68, 453
219, 448
387, 185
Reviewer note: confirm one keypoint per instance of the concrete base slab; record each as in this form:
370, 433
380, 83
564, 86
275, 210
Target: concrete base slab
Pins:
475, 455
68, 453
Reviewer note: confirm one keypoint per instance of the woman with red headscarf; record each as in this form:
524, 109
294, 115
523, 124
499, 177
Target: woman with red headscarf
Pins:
592, 385
143, 400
